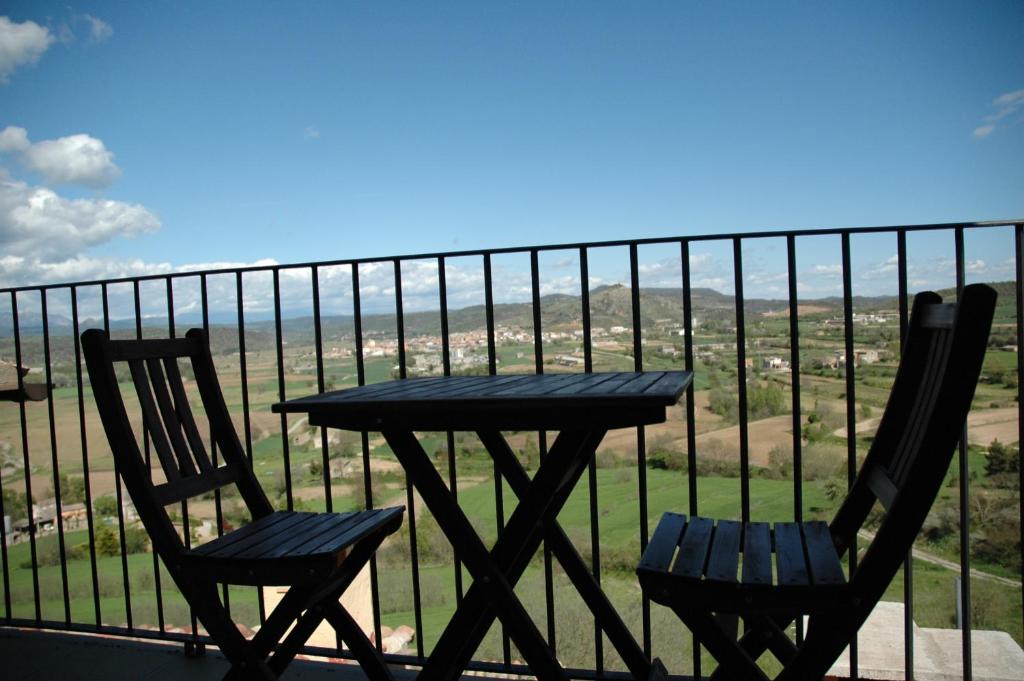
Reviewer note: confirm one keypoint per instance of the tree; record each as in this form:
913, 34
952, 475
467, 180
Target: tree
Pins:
15, 504
1001, 459
107, 543
105, 506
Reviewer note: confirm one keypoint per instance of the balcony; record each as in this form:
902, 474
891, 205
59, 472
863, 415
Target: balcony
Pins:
793, 338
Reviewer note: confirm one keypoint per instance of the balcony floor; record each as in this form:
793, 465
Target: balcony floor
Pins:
45, 655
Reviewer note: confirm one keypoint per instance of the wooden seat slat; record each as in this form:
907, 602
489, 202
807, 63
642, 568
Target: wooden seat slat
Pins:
723, 562
662, 547
757, 554
312, 533
790, 561
693, 549
821, 554
276, 530
242, 532
368, 521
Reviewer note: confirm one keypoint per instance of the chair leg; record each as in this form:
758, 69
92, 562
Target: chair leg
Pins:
754, 643
365, 652
245, 662
825, 640
733, 661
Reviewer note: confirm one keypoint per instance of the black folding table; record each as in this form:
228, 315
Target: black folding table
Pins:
581, 408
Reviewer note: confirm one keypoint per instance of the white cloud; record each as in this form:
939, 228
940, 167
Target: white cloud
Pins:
311, 133
21, 44
75, 159
37, 223
1006, 104
99, 30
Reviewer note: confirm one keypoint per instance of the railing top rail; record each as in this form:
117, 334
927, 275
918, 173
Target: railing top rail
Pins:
763, 234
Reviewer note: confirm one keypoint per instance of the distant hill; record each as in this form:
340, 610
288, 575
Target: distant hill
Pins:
610, 305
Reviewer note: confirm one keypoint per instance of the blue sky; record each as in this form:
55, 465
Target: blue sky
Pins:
148, 137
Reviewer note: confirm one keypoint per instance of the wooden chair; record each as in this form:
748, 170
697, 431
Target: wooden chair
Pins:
316, 554
710, 572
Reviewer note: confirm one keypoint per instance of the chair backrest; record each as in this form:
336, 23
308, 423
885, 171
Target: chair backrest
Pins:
169, 422
922, 423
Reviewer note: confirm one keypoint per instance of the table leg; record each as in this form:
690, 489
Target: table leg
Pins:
492, 590
517, 544
604, 613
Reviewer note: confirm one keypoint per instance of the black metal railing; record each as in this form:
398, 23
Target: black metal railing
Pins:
356, 303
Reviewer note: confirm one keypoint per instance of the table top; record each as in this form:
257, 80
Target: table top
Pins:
505, 402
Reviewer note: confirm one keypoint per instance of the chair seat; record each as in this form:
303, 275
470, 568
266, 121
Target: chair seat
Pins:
730, 566
288, 547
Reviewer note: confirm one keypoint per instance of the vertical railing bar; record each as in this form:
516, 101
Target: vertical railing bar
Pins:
741, 378
588, 344
58, 505
218, 508
186, 524
357, 329
137, 305
492, 360
595, 520
794, 367
3, 552
908, 562
492, 369
1018, 236
794, 372
446, 362
119, 495
641, 434
24, 450
410, 501
538, 359
147, 455
243, 368
851, 420
243, 375
89, 522
325, 464
279, 346
965, 511
691, 411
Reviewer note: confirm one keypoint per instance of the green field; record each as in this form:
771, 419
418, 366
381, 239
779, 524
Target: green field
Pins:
996, 606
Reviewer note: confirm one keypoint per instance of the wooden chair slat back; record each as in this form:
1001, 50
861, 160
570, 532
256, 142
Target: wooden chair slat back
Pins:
170, 423
169, 415
184, 414
922, 422
151, 422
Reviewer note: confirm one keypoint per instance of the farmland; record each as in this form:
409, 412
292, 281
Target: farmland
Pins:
287, 450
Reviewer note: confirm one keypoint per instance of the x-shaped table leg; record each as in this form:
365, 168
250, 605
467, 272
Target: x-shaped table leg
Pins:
495, 573
605, 615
